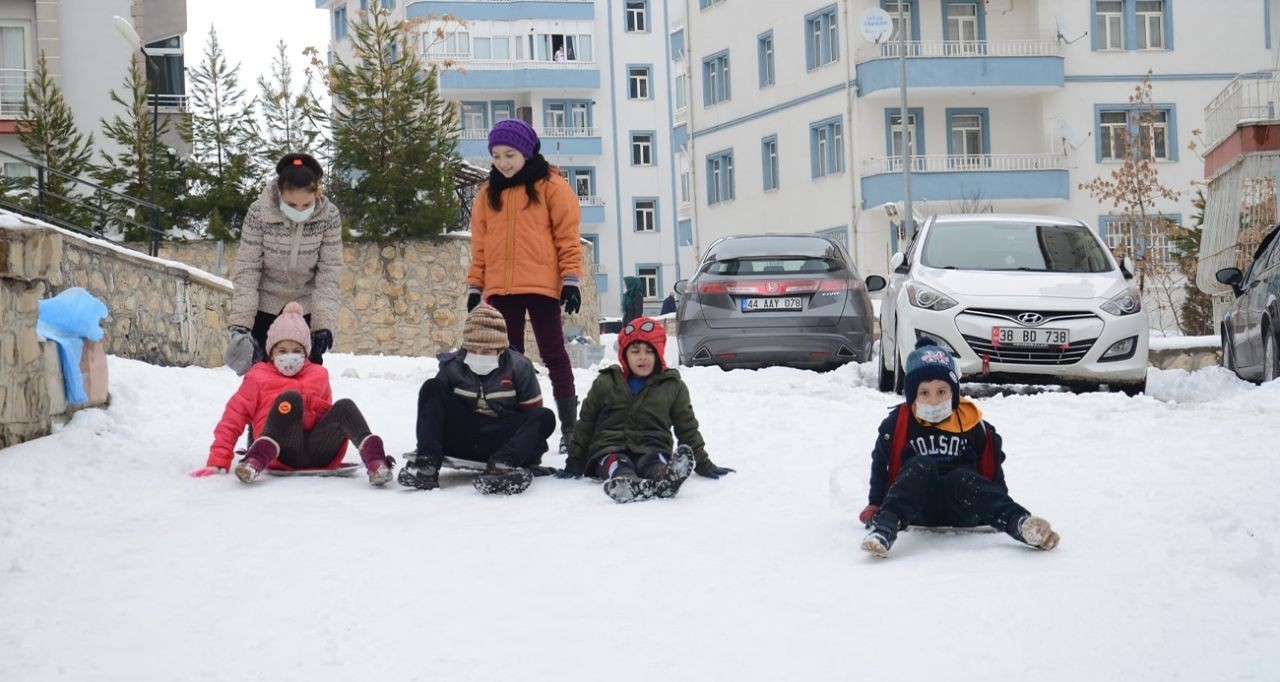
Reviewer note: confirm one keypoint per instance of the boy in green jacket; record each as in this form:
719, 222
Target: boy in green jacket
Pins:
624, 429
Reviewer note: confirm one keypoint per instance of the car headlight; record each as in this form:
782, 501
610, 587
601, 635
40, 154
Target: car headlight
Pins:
928, 298
1126, 302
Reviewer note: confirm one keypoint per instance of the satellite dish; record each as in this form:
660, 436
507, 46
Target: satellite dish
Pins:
876, 26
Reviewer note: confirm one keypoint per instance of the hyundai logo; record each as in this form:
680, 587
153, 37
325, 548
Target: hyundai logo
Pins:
1030, 319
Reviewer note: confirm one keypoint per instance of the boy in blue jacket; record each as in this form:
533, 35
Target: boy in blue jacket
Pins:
937, 463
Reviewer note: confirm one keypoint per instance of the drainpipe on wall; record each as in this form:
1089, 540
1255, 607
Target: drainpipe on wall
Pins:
854, 169
693, 161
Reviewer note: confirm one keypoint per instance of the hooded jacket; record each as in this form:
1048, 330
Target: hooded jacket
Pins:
526, 248
252, 403
280, 261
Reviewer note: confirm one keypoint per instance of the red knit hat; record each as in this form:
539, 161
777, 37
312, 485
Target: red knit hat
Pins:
291, 326
644, 329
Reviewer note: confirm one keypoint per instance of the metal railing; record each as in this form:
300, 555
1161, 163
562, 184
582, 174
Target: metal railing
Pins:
568, 132
590, 200
474, 134
13, 91
950, 163
168, 101
32, 196
681, 115
685, 210
963, 48
466, 61
1243, 99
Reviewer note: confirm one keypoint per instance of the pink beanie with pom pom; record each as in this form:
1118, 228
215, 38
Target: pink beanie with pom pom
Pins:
290, 326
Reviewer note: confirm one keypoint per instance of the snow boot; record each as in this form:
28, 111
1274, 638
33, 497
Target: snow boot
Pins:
261, 453
668, 474
380, 467
500, 478
567, 408
1036, 532
420, 472
884, 530
626, 487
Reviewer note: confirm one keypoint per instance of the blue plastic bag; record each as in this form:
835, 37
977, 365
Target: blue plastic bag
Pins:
67, 319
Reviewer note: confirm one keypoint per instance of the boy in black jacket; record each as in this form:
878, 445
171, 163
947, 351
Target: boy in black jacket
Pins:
937, 463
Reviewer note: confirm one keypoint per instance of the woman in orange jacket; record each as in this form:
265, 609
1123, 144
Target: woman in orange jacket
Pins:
290, 404
526, 254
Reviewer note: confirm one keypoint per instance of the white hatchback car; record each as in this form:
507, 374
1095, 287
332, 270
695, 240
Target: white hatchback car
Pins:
1021, 299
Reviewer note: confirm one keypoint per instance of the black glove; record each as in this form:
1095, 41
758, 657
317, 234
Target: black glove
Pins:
571, 298
571, 470
321, 342
709, 470
473, 300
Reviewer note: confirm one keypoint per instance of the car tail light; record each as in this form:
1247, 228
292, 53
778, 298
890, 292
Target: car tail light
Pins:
839, 285
712, 288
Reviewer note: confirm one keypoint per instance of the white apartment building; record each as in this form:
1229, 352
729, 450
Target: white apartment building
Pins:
792, 114
594, 79
89, 58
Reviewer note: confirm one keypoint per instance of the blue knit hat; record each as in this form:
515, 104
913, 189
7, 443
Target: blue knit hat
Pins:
927, 362
516, 134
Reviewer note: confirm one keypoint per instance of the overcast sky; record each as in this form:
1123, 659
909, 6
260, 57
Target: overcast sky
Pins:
250, 29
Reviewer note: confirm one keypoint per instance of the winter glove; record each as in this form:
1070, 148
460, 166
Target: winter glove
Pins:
473, 300
207, 471
321, 342
571, 470
542, 471
241, 350
709, 470
867, 512
571, 298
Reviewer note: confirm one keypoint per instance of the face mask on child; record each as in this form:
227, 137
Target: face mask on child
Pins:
481, 365
295, 215
289, 364
933, 413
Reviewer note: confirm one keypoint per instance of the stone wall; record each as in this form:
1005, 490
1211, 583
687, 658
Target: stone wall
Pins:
28, 267
399, 298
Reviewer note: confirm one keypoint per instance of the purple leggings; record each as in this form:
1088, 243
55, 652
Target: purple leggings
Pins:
544, 312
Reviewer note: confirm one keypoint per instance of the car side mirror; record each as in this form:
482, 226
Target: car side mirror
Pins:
898, 263
682, 286
1231, 277
876, 283
1126, 267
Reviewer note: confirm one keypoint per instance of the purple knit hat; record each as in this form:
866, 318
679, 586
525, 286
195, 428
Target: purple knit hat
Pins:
516, 134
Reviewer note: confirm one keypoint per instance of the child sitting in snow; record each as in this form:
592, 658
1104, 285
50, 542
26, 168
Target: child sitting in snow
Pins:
624, 428
937, 463
289, 402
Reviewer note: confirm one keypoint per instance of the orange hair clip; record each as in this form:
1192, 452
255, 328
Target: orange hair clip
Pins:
297, 162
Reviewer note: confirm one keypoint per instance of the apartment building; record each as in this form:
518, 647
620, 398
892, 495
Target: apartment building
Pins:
89, 58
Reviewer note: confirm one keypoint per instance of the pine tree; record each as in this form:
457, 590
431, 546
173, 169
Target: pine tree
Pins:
1197, 306
48, 131
394, 135
128, 170
224, 137
292, 116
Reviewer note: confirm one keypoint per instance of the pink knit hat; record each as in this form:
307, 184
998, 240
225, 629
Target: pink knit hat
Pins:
290, 326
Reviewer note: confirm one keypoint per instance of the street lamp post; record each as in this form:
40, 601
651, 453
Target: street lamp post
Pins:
131, 36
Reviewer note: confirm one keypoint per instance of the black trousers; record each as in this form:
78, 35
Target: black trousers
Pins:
262, 324
644, 466
925, 496
448, 427
317, 448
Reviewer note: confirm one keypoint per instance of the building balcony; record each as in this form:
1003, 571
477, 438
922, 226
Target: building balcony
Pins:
13, 88
502, 10
592, 209
1030, 66
463, 72
474, 142
1243, 119
685, 210
168, 102
681, 116
1018, 179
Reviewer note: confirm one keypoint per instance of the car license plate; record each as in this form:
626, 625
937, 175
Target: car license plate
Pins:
1021, 336
754, 305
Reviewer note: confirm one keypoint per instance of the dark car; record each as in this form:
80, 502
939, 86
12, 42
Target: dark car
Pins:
760, 300
1252, 321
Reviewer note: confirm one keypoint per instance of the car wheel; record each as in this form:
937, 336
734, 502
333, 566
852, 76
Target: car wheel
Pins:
1228, 354
884, 378
1132, 390
1270, 360
898, 374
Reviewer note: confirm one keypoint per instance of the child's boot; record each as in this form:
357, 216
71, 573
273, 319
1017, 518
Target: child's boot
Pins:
1034, 531
666, 473
262, 452
420, 471
884, 530
501, 478
622, 484
376, 462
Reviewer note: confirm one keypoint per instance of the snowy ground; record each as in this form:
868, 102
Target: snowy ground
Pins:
115, 565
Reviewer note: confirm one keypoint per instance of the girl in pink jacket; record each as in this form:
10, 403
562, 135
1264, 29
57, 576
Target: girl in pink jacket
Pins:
290, 404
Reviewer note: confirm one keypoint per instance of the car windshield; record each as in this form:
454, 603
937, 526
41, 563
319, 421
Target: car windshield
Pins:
976, 245
772, 266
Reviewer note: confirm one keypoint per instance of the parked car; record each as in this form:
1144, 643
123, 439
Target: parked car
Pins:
1252, 321
775, 299
1016, 299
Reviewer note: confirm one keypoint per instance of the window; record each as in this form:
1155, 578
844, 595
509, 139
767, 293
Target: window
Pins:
13, 59
969, 138
1150, 133
677, 44
473, 116
681, 99
648, 275
595, 246
764, 54
583, 181
1150, 18
642, 149
1113, 134
893, 136
364, 5
340, 23
907, 20
821, 38
388, 4
963, 28
769, 161
580, 114
503, 111
456, 43
1108, 25
704, 4
482, 48
1151, 243
554, 115
685, 194
826, 147
719, 177
645, 214
715, 78
166, 72
638, 82
637, 12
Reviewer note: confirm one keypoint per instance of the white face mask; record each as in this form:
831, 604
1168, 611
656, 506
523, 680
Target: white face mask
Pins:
481, 365
934, 413
295, 215
289, 364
